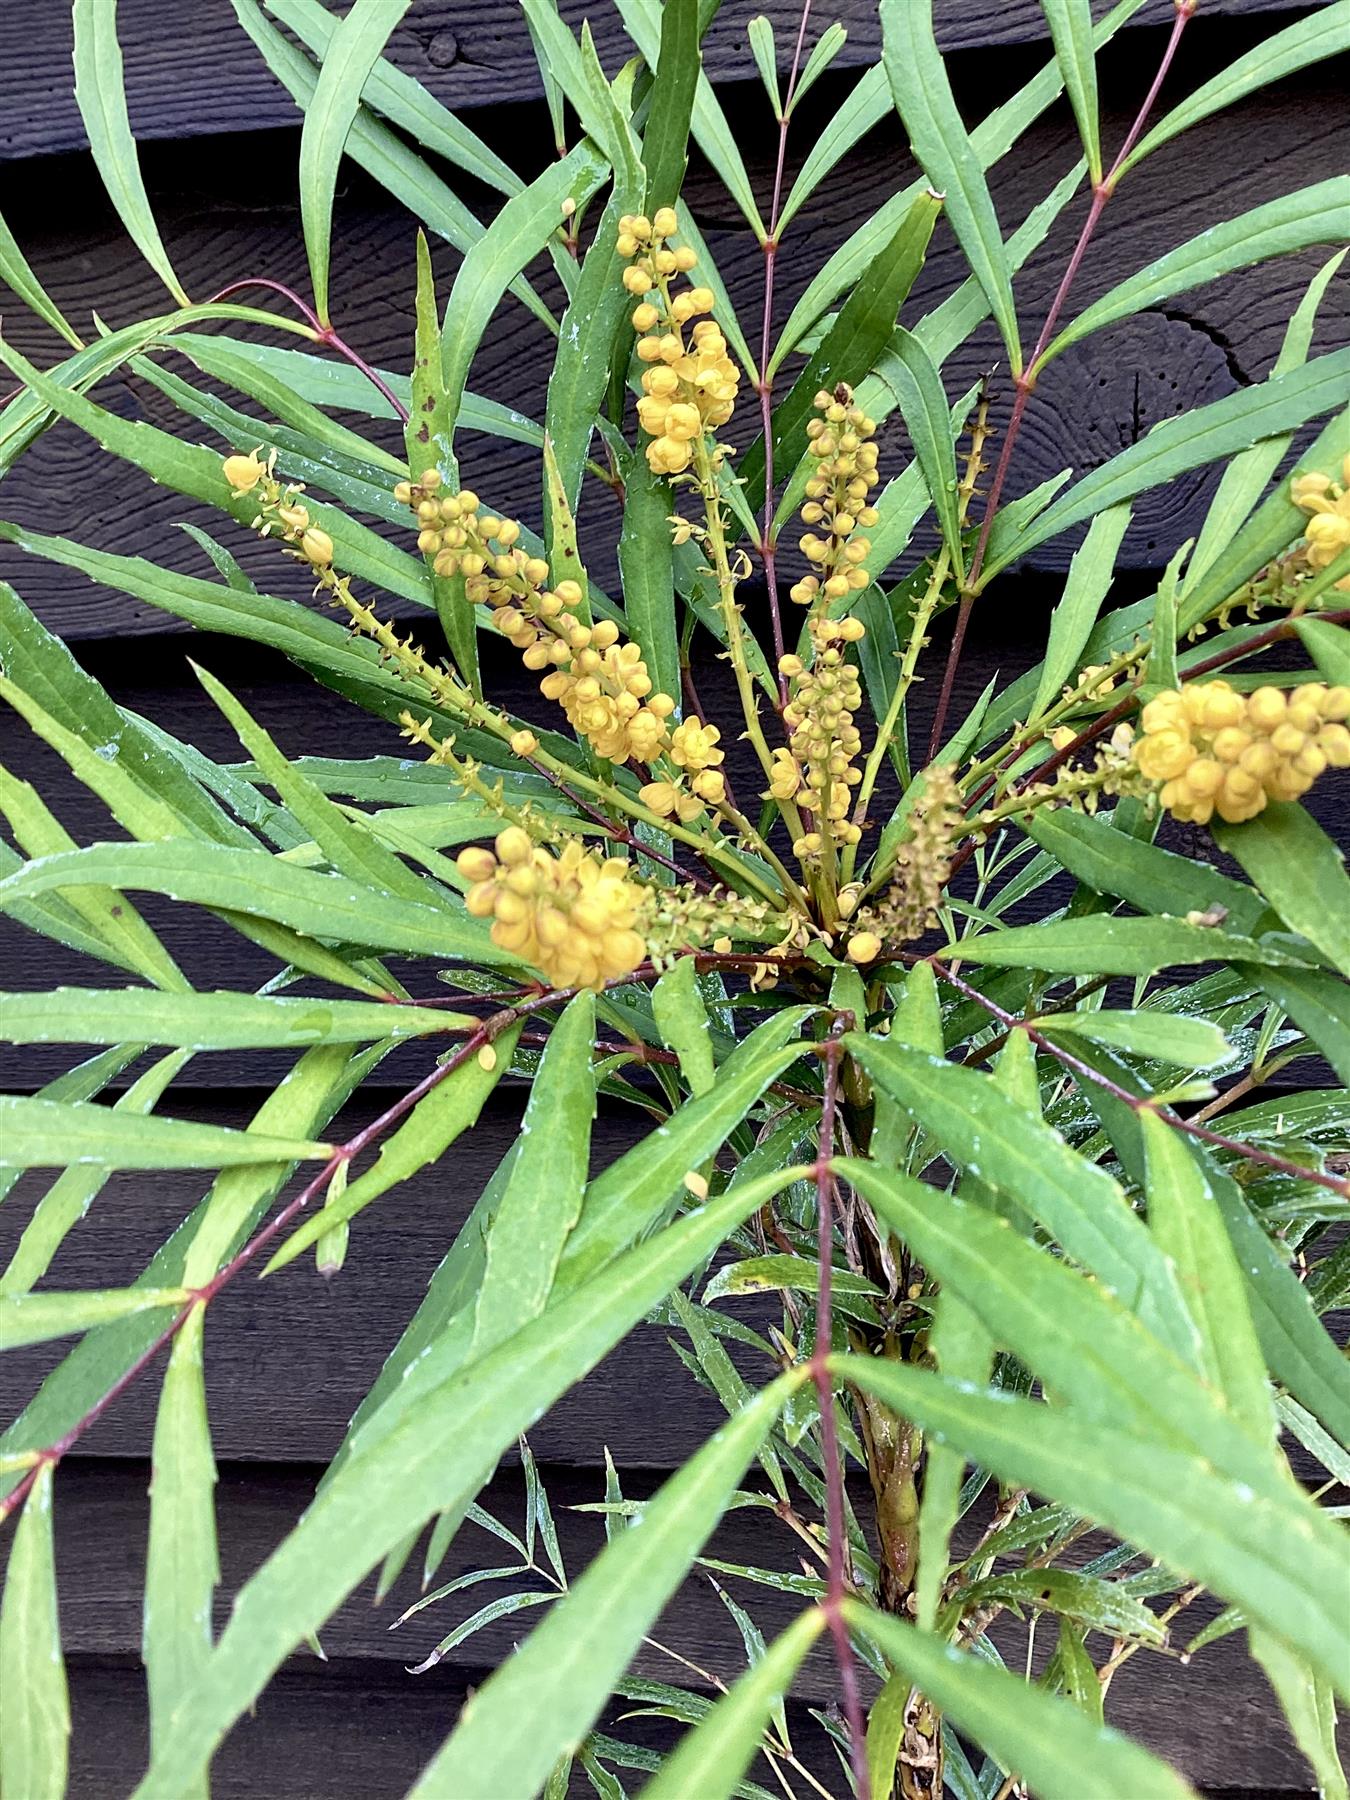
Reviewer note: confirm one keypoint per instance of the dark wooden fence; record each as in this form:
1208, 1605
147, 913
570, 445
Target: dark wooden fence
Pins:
288, 1360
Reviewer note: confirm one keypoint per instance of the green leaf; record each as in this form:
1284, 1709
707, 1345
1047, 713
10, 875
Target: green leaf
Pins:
1070, 23
71, 1195
647, 573
1313, 215
1203, 435
428, 438
964, 1351
665, 141
1248, 475
682, 1019
634, 1192
886, 1725
1310, 1709
348, 845
35, 1318
34, 1744
16, 273
1101, 1605
1149, 878
1086, 586
760, 33
1296, 1346
800, 1274
54, 1134
450, 1108
996, 1140
1170, 1037
431, 1456
909, 371
1101, 945
1086, 1342
353, 50
541, 1201
1289, 857
823, 52
101, 98
403, 101
564, 1674
1316, 1003
923, 98
711, 1758
1055, 1748
643, 22
211, 1021
182, 1570
517, 234
1329, 647
1188, 1225
1273, 1552
261, 886
1308, 40
592, 337
865, 325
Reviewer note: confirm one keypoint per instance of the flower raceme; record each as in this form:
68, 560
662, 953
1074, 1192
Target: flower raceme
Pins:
601, 684
572, 916
836, 498
1217, 751
689, 387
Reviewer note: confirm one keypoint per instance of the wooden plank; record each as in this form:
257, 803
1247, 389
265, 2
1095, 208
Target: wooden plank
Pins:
193, 73
1101, 397
1218, 1725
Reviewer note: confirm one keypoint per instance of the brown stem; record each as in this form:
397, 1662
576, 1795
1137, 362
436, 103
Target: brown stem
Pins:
1025, 381
768, 549
837, 1584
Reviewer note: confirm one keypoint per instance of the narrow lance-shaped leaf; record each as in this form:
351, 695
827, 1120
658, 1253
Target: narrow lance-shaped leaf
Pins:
52, 1134
565, 1672
1171, 1037
435, 1457
909, 371
17, 274
712, 1756
923, 97
1204, 435
442, 1115
36, 1318
1054, 1747
429, 439
666, 138
34, 1743
1109, 946
1086, 586
1300, 871
182, 1570
647, 570
211, 1021
541, 1201
1313, 215
1070, 23
1272, 1551
517, 234
352, 53
101, 98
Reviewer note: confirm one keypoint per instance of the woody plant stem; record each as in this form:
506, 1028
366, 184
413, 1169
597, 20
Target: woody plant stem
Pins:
1024, 382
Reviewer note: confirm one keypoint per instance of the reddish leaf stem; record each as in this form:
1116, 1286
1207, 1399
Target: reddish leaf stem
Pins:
323, 334
768, 548
837, 1585
1025, 381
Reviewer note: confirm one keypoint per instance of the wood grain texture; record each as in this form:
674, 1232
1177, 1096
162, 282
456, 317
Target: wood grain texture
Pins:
1101, 397
191, 72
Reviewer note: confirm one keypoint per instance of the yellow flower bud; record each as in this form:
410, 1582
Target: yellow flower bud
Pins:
664, 221
243, 472
523, 743
864, 947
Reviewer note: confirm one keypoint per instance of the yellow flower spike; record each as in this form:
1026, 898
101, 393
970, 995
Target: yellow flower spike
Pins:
1213, 750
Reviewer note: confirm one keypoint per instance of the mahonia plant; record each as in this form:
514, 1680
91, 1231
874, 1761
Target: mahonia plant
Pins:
959, 1029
